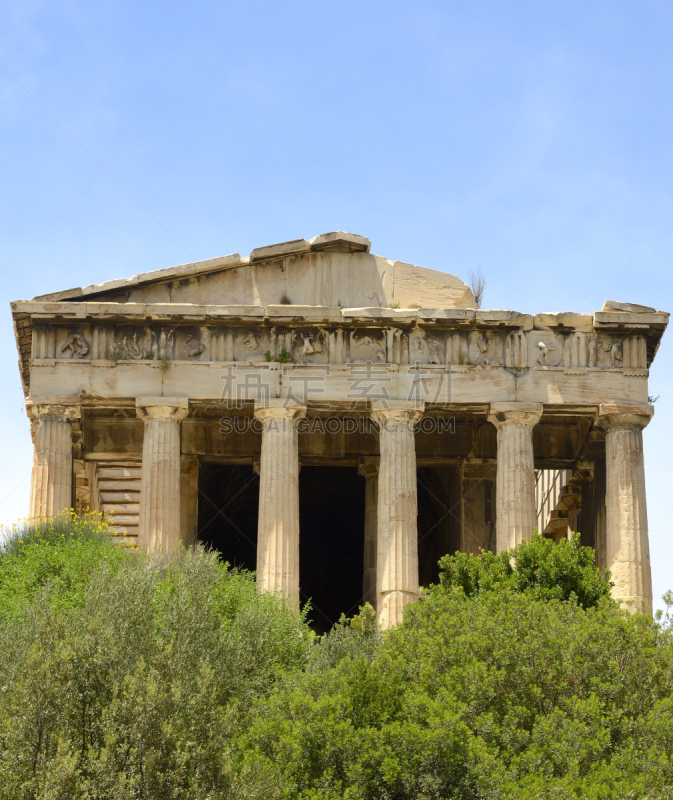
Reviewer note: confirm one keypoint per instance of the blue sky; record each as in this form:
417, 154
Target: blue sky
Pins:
530, 139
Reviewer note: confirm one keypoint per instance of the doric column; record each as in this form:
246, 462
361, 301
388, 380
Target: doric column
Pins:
278, 527
515, 480
51, 481
627, 547
397, 540
160, 476
369, 469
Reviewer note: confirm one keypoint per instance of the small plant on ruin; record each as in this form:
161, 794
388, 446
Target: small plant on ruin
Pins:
285, 357
150, 355
165, 363
394, 305
477, 282
268, 356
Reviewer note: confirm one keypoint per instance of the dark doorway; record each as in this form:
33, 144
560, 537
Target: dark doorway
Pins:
228, 509
438, 519
331, 544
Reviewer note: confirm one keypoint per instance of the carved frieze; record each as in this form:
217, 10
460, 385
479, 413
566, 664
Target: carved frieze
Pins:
310, 346
545, 349
418, 348
192, 344
486, 349
340, 344
74, 346
250, 344
367, 345
133, 346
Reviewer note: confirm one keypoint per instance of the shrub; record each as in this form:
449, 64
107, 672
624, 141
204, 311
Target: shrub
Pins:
548, 571
33, 557
516, 677
134, 681
165, 677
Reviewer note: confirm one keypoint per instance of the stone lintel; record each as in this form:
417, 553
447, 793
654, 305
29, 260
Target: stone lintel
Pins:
500, 318
462, 316
341, 241
398, 405
563, 321
304, 313
55, 399
626, 319
280, 249
67, 407
614, 305
455, 317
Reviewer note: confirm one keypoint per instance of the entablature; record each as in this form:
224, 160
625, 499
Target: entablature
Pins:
456, 341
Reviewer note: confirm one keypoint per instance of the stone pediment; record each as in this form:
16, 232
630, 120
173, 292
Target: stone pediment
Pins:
333, 269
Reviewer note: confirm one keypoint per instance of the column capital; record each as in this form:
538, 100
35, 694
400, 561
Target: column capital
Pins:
279, 410
174, 408
613, 417
369, 466
56, 407
400, 412
508, 415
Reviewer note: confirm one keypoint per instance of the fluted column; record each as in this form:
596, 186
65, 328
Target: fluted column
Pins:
397, 540
369, 469
515, 480
51, 479
278, 527
160, 476
627, 547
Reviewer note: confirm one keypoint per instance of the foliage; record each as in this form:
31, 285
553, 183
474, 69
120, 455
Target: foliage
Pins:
32, 557
284, 356
548, 571
138, 686
161, 677
494, 695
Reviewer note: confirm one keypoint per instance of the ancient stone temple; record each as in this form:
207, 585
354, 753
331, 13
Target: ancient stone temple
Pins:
337, 421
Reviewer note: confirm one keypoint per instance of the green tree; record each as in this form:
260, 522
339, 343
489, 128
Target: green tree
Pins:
547, 570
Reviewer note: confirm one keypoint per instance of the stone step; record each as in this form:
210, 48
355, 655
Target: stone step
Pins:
119, 486
121, 496
570, 500
130, 530
119, 472
122, 508
123, 519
